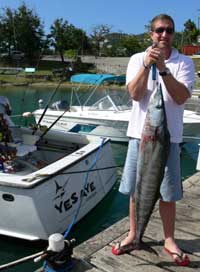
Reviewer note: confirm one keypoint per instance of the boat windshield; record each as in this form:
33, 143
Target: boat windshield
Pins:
110, 103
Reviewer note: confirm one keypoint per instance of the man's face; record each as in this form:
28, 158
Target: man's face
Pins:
163, 33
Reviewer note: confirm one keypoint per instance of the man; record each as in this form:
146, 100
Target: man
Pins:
175, 73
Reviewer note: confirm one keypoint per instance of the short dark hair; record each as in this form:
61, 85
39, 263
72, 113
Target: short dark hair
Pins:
161, 17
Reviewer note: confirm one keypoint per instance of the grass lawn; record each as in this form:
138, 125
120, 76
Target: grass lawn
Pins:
44, 74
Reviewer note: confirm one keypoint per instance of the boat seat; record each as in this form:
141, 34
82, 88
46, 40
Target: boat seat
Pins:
23, 149
27, 145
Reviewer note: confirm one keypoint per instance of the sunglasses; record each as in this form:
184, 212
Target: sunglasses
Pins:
161, 29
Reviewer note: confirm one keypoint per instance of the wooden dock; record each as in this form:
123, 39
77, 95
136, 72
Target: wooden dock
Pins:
94, 255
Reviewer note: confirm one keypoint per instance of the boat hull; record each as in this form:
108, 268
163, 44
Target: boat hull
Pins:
113, 125
36, 205
110, 124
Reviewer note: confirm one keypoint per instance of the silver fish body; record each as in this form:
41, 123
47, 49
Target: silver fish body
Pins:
152, 159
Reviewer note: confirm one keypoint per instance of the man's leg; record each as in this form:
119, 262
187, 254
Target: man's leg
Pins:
127, 186
132, 231
131, 235
168, 216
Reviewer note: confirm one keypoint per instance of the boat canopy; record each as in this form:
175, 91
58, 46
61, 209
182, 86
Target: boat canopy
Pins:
97, 79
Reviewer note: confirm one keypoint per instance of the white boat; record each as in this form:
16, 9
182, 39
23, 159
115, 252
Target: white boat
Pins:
106, 118
46, 178
103, 118
191, 124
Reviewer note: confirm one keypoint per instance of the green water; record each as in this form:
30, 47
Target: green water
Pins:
113, 208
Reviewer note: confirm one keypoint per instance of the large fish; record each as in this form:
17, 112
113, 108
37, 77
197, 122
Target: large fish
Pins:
152, 158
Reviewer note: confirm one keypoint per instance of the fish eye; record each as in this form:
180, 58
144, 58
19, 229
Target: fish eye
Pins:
158, 106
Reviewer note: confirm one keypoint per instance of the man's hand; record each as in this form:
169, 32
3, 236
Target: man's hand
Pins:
157, 56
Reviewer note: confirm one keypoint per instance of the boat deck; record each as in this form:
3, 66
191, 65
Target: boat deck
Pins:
95, 254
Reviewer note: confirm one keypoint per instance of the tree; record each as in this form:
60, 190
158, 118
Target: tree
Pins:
22, 30
98, 37
190, 32
65, 36
131, 43
7, 33
178, 40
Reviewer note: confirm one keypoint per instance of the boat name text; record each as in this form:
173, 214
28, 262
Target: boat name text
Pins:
65, 205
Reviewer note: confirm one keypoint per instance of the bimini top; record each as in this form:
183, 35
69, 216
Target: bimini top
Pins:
97, 79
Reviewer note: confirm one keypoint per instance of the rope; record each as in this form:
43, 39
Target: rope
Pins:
90, 170
71, 173
19, 261
85, 182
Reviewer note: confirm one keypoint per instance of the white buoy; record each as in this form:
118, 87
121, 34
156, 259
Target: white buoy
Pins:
56, 242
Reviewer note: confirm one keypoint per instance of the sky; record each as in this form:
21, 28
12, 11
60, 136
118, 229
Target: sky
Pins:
127, 16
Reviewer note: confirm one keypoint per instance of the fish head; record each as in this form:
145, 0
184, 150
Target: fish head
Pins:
155, 111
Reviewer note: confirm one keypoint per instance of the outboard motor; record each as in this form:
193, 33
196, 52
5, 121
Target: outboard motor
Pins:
41, 104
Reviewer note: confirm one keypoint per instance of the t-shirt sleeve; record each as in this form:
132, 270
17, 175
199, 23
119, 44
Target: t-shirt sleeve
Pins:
133, 67
186, 74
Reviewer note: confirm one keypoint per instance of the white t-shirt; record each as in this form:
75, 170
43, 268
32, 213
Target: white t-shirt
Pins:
182, 68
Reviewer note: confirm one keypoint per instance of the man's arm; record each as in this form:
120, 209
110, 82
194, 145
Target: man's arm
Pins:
138, 85
176, 89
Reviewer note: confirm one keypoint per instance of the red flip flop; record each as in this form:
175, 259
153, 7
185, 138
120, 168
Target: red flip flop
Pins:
183, 259
122, 249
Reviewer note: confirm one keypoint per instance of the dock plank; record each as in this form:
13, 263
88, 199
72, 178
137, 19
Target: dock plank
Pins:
123, 263
97, 250
100, 240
